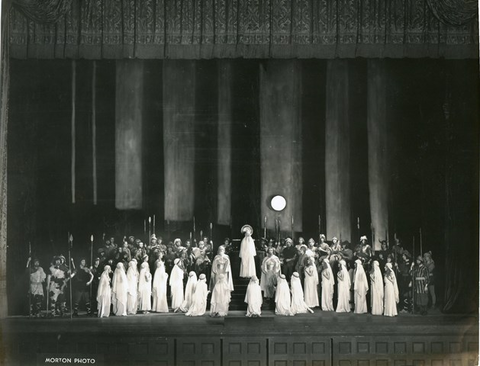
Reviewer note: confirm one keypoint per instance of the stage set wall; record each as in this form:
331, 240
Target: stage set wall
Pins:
354, 143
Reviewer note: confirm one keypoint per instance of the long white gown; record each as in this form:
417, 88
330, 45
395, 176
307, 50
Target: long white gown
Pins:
247, 255
132, 295
176, 287
343, 286
189, 291
298, 301
145, 288
104, 294
119, 291
271, 268
221, 265
391, 293
376, 289
159, 289
283, 300
199, 300
311, 286
328, 282
253, 298
360, 287
220, 297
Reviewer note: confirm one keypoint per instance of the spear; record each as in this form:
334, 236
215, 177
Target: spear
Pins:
29, 287
319, 226
70, 245
421, 242
149, 227
154, 224
91, 261
194, 229
292, 228
211, 231
413, 276
265, 227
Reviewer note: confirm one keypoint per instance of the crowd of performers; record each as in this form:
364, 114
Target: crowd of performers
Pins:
132, 278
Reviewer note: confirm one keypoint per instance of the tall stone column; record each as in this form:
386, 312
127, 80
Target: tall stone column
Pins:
128, 134
378, 168
337, 151
224, 195
280, 141
179, 138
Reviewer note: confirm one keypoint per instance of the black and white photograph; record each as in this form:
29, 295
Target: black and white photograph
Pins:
239, 182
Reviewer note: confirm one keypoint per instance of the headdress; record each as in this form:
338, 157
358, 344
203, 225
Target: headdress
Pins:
245, 227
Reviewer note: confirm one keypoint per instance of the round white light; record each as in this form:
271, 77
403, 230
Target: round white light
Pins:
278, 203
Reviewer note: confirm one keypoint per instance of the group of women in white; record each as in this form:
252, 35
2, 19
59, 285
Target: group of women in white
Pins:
351, 286
132, 291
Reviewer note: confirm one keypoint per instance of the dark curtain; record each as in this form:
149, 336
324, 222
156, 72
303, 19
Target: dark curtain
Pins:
242, 28
43, 11
454, 12
4, 91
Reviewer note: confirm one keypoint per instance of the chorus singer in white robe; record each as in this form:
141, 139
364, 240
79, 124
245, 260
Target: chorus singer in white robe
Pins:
343, 286
360, 285
391, 291
104, 293
311, 283
271, 268
253, 298
189, 291
132, 295
247, 253
283, 300
176, 285
119, 291
159, 289
376, 289
220, 297
298, 301
328, 282
199, 300
145, 288
221, 265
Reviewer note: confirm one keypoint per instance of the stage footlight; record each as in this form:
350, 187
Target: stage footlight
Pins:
278, 203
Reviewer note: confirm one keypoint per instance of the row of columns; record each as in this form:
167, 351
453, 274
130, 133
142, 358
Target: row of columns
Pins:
280, 141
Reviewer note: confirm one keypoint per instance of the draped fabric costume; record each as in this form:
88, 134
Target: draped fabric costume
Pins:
247, 254
220, 296
376, 289
360, 287
311, 283
159, 289
270, 270
391, 292
283, 300
119, 291
145, 288
344, 284
176, 285
132, 294
199, 300
328, 282
189, 291
37, 277
221, 265
298, 302
104, 294
253, 298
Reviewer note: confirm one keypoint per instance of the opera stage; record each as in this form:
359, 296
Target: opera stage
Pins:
323, 338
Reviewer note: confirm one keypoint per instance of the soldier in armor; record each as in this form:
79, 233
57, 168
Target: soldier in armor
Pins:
56, 282
82, 278
35, 290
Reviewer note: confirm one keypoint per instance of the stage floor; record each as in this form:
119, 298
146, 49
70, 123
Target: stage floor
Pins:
323, 338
